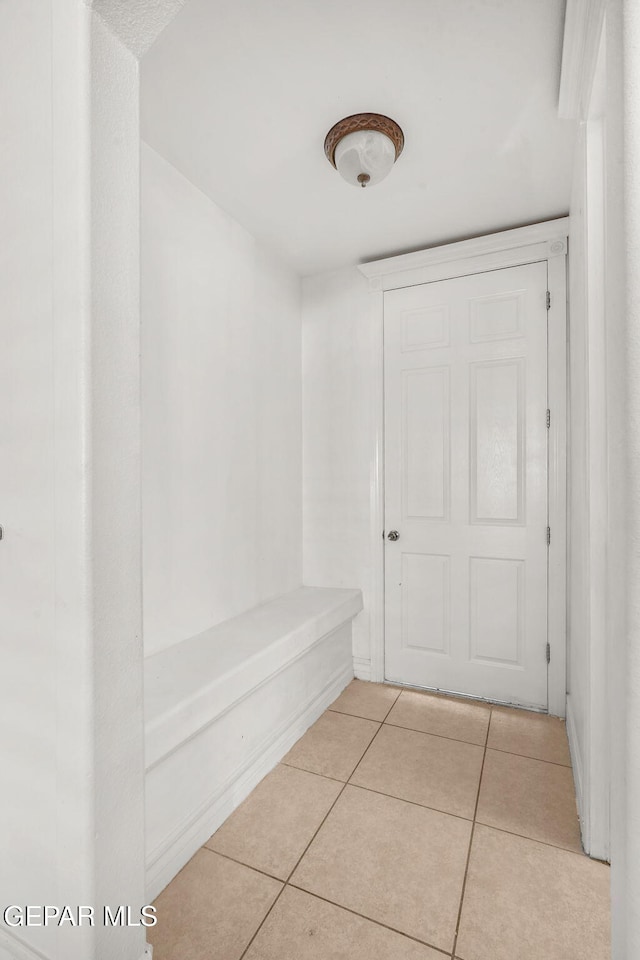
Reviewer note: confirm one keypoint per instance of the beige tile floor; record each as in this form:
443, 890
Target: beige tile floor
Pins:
401, 826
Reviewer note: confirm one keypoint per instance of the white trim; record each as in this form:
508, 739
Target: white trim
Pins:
13, 948
18, 950
576, 762
168, 858
376, 486
361, 668
582, 30
506, 243
557, 481
595, 696
542, 241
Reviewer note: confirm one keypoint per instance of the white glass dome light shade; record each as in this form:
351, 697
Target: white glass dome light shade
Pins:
363, 147
365, 157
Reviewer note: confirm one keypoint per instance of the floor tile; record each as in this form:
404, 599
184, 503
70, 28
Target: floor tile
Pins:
271, 829
333, 746
529, 734
443, 716
528, 900
369, 700
439, 773
391, 861
210, 910
301, 927
529, 797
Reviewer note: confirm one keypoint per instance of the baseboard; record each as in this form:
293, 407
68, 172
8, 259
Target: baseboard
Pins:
164, 862
362, 668
578, 767
12, 948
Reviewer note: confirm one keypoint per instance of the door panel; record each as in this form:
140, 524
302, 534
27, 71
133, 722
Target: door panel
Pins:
426, 443
425, 601
496, 434
466, 485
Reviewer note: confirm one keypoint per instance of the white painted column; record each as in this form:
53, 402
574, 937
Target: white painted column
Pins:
618, 445
72, 804
627, 888
99, 821
116, 522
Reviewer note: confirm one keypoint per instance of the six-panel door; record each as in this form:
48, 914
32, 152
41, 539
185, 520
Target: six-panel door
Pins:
466, 485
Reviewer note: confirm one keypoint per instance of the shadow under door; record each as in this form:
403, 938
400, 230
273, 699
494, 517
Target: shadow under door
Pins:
466, 466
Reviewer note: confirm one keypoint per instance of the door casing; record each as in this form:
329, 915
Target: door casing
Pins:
539, 242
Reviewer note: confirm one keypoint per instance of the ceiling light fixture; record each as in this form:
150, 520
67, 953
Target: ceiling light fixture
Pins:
364, 147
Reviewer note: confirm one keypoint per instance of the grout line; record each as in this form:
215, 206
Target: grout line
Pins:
315, 834
392, 706
242, 863
513, 754
356, 716
403, 799
441, 736
359, 761
344, 784
346, 713
366, 751
293, 766
526, 756
263, 921
414, 803
391, 796
473, 827
295, 867
321, 824
524, 836
372, 740
363, 916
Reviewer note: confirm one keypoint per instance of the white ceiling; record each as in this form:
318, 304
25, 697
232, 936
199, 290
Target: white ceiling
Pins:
136, 22
239, 94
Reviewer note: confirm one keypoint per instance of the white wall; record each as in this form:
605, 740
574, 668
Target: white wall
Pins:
578, 501
71, 809
597, 442
221, 426
622, 432
604, 678
623, 24
28, 698
593, 559
338, 345
111, 654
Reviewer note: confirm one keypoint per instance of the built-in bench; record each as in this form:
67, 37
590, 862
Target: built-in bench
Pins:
222, 708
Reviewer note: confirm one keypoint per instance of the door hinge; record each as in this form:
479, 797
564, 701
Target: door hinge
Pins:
548, 299
548, 652
548, 419
548, 535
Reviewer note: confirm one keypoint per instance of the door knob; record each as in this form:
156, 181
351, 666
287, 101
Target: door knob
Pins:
393, 535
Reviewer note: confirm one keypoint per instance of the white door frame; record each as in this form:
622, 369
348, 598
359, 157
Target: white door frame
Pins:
539, 242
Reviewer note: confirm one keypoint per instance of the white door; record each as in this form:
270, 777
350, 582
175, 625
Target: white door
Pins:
466, 485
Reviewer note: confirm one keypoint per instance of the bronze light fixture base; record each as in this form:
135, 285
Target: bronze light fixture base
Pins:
363, 121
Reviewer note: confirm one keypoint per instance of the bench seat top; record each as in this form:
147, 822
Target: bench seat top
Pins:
190, 683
